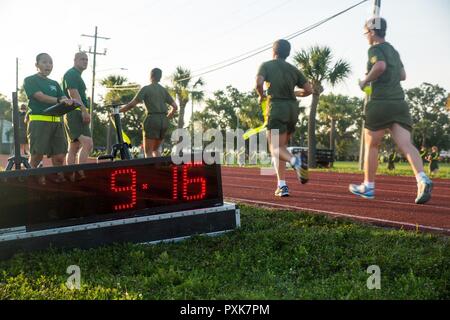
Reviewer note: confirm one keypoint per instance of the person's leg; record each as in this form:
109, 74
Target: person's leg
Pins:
373, 140
156, 144
367, 189
35, 159
86, 145
279, 152
150, 147
74, 147
402, 138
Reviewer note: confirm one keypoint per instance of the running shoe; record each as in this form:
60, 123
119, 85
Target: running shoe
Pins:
424, 188
301, 169
362, 191
282, 192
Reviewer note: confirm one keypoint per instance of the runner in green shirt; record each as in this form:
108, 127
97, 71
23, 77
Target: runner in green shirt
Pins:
387, 110
434, 158
282, 78
77, 121
45, 133
156, 99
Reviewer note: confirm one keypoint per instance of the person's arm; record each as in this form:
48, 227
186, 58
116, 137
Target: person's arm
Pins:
130, 105
260, 87
40, 96
402, 74
305, 91
173, 110
377, 70
75, 95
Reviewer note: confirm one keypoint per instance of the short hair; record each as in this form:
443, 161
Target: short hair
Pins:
282, 48
378, 25
156, 74
79, 54
40, 56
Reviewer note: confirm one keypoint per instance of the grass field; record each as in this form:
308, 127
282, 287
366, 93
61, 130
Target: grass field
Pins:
275, 255
401, 169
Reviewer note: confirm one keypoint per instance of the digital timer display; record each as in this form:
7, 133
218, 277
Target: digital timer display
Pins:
109, 191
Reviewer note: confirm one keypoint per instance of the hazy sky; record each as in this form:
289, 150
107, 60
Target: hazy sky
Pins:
198, 33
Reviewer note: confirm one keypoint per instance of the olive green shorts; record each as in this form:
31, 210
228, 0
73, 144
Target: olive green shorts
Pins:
382, 114
283, 115
155, 126
47, 138
75, 125
23, 136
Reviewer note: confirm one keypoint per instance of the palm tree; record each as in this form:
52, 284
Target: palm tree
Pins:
316, 64
332, 108
183, 89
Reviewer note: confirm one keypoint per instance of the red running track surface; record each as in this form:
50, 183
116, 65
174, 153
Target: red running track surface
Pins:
328, 193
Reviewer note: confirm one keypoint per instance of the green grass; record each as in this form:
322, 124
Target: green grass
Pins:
401, 169
275, 255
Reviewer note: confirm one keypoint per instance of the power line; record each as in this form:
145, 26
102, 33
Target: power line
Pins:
229, 62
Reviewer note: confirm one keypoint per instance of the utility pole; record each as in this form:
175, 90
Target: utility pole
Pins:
376, 14
94, 53
17, 75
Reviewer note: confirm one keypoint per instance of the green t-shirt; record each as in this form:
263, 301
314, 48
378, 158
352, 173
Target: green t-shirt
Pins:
155, 97
35, 83
282, 77
387, 86
72, 80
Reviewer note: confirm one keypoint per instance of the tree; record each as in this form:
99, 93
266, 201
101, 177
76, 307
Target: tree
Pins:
339, 117
183, 89
430, 116
229, 109
5, 108
121, 91
316, 64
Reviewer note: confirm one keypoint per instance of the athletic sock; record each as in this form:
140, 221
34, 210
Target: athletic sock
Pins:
281, 183
293, 161
421, 176
369, 185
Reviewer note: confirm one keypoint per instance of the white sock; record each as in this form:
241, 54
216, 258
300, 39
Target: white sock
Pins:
421, 176
281, 183
369, 185
293, 161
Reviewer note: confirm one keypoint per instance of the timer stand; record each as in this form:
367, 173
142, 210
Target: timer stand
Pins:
121, 147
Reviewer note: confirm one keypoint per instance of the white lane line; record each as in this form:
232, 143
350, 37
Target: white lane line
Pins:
338, 214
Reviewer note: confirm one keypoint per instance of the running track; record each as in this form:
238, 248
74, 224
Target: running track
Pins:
327, 193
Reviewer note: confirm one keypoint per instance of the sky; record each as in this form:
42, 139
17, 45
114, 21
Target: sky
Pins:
199, 33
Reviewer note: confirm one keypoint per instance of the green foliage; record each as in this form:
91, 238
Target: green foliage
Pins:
275, 255
5, 108
316, 64
229, 108
430, 116
344, 114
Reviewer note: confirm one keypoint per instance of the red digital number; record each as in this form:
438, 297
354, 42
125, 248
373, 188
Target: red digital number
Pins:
131, 173
188, 182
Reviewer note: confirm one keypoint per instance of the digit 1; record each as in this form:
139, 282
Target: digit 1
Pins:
189, 181
175, 183
131, 188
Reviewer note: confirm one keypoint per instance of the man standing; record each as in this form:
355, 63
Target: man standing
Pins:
282, 78
77, 121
